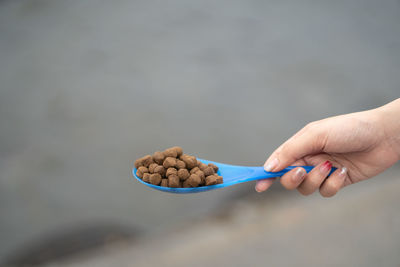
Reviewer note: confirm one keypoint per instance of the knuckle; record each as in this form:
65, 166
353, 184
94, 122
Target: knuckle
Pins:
311, 125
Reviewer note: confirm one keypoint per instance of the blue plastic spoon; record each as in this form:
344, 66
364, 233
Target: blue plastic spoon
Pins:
231, 174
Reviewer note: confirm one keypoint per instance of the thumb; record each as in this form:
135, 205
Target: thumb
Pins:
309, 140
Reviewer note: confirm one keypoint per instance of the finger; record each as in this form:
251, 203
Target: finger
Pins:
310, 140
263, 185
293, 178
314, 178
334, 183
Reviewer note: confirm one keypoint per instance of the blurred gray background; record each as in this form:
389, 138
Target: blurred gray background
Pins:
86, 87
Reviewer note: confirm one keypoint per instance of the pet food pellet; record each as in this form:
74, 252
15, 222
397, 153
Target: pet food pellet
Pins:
141, 170
194, 180
173, 180
208, 171
170, 152
158, 157
152, 167
186, 184
147, 160
211, 180
213, 166
155, 178
169, 162
202, 177
172, 168
190, 161
180, 164
171, 171
160, 169
183, 174
202, 166
138, 163
200, 173
164, 182
146, 177
194, 170
178, 150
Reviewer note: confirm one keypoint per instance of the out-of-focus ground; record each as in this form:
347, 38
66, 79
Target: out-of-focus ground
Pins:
357, 228
86, 87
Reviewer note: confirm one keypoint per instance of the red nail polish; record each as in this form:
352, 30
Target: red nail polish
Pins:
326, 167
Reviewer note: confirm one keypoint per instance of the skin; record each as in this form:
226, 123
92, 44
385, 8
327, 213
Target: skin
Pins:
361, 145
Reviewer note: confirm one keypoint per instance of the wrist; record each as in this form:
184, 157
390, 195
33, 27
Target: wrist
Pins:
389, 115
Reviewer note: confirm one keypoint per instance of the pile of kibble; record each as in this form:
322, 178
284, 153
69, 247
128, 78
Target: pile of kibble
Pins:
172, 168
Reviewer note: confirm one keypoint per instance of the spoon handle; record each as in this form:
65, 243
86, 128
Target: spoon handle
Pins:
307, 168
258, 173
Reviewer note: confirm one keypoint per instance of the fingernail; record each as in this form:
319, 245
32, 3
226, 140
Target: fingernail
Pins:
259, 190
326, 167
299, 175
270, 165
343, 172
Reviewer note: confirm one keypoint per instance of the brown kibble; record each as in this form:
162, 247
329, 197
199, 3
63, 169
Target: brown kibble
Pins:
158, 157
194, 170
180, 164
190, 161
183, 174
169, 162
138, 163
186, 184
160, 169
211, 180
152, 167
140, 171
201, 174
202, 177
146, 177
170, 152
147, 160
208, 171
164, 182
173, 180
215, 168
171, 171
172, 168
178, 150
194, 180
155, 178
202, 166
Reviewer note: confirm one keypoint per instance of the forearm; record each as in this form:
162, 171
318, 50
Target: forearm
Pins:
390, 116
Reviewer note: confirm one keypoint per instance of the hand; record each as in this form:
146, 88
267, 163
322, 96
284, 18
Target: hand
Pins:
360, 145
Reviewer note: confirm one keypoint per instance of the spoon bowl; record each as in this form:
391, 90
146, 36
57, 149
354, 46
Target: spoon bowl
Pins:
232, 174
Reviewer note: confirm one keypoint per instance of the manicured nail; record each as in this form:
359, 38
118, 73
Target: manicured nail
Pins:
298, 175
326, 167
343, 172
270, 165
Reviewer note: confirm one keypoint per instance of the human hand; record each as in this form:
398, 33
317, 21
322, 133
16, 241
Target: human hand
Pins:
361, 145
